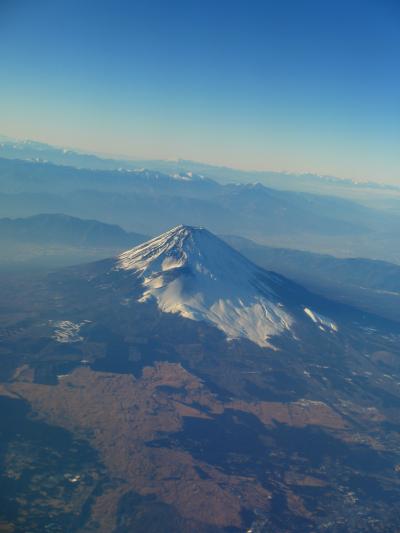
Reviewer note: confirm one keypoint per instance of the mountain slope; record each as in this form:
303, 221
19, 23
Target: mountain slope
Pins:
369, 284
354, 271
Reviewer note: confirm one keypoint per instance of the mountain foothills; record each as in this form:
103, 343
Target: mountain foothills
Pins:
180, 387
48, 241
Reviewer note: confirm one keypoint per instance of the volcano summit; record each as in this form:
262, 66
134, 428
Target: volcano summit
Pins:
190, 271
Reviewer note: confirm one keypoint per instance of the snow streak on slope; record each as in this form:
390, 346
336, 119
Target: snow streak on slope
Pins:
321, 320
191, 272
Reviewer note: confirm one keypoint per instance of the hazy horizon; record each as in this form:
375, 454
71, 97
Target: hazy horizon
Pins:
295, 87
138, 158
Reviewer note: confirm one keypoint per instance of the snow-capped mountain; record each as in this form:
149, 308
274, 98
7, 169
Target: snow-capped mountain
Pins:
191, 272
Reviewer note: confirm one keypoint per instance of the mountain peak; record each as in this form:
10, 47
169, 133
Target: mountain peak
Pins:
191, 272
187, 249
184, 229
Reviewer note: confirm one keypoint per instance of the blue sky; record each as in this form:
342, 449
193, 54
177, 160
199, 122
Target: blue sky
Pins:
283, 85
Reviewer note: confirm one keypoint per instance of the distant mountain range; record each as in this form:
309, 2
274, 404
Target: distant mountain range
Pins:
150, 196
149, 202
306, 182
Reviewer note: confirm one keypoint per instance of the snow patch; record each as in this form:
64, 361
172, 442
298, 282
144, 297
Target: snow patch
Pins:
182, 177
68, 332
322, 321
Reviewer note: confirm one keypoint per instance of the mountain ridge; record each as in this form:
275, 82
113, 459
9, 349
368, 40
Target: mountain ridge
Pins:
29, 149
65, 229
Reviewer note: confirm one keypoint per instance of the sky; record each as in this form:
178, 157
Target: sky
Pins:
293, 85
